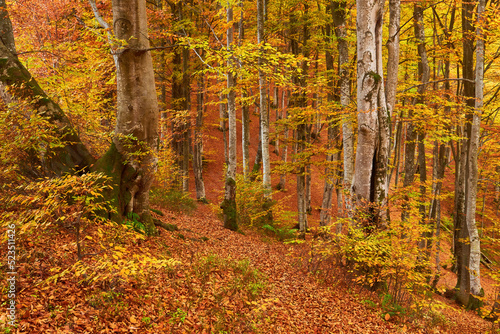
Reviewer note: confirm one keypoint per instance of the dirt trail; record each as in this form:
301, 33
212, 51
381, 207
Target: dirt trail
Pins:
295, 302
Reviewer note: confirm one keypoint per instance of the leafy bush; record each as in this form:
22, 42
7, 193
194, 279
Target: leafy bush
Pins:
387, 260
172, 200
255, 209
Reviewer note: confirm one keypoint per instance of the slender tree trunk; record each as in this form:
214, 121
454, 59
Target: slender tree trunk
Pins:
229, 204
284, 152
467, 243
245, 136
338, 15
245, 111
470, 286
198, 144
413, 136
264, 117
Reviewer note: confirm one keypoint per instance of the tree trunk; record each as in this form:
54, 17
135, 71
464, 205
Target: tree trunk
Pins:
18, 84
370, 173
470, 284
264, 117
229, 204
198, 144
338, 15
131, 160
284, 152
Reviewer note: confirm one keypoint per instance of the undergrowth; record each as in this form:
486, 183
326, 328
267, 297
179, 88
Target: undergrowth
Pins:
256, 209
172, 199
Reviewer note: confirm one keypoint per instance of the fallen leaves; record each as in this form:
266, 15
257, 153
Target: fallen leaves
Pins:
230, 282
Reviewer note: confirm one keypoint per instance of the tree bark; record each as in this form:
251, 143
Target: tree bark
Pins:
18, 84
338, 15
264, 117
229, 204
198, 144
370, 173
470, 284
131, 160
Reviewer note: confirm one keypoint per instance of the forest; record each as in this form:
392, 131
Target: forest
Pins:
199, 166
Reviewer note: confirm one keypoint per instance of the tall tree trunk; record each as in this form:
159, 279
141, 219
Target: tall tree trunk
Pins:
284, 152
181, 103
198, 144
229, 204
468, 247
370, 173
392, 75
245, 111
413, 134
470, 284
338, 15
264, 117
137, 114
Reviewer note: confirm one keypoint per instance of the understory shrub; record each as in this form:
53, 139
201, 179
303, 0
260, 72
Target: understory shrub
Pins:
387, 260
172, 199
255, 208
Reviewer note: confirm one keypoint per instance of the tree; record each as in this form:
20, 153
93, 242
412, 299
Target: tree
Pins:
16, 83
130, 161
264, 117
229, 204
469, 256
370, 173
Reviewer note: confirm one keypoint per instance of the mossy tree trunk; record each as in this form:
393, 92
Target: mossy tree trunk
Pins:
130, 161
17, 84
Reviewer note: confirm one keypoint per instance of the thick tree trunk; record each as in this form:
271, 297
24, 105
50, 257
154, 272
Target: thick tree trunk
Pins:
370, 173
131, 160
16, 83
6, 32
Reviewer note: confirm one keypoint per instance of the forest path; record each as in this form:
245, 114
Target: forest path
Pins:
294, 301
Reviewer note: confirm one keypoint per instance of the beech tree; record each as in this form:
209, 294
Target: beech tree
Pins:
370, 184
229, 204
131, 160
469, 253
264, 117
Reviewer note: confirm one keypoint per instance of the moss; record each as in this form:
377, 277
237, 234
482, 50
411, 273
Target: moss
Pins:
158, 212
375, 76
110, 164
171, 227
230, 214
475, 302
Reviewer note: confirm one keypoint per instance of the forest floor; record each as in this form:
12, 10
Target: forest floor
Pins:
221, 282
